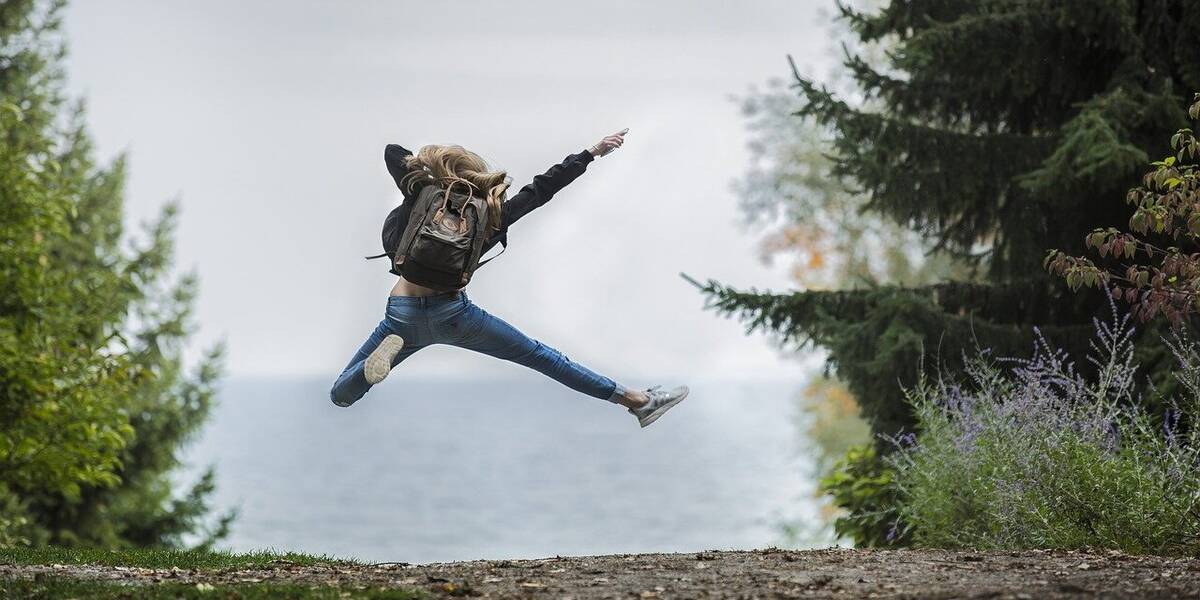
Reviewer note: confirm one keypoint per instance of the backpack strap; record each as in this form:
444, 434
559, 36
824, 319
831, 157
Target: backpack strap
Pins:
480, 208
503, 248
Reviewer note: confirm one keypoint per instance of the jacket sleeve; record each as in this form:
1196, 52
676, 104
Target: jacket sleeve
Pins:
393, 157
543, 188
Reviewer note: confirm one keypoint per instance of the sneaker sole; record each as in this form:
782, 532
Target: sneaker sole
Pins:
652, 417
379, 362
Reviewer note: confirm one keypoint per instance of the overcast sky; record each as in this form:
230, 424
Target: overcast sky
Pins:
267, 119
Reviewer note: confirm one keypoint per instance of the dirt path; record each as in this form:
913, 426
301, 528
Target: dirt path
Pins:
767, 573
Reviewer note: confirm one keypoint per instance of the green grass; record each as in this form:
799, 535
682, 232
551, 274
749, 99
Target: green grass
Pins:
61, 589
43, 587
157, 559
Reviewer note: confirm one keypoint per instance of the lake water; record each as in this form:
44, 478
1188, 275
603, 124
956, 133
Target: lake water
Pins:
422, 471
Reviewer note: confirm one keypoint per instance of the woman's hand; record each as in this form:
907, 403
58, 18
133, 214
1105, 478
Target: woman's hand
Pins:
609, 143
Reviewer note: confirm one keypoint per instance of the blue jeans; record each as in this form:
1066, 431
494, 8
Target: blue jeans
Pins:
453, 319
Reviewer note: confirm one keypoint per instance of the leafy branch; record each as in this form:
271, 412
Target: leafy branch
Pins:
1164, 233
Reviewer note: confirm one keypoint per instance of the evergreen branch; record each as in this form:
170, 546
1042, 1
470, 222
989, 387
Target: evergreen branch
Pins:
879, 339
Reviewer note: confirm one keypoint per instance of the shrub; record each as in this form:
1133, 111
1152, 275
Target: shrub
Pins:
863, 484
1030, 453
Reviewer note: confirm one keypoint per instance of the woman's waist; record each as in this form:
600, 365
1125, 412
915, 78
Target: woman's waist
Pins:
415, 295
407, 289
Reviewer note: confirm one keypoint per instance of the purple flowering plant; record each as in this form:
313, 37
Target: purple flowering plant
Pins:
1031, 453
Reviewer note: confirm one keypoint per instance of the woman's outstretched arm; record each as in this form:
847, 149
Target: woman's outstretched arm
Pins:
544, 186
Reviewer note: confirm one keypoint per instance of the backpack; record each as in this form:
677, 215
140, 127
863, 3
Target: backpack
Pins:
442, 243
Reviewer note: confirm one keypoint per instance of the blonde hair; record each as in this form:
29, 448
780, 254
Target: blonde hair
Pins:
445, 165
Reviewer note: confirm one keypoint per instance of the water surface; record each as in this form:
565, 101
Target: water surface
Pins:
440, 470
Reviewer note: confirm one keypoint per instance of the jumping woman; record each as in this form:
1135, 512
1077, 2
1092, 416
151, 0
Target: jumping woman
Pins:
454, 211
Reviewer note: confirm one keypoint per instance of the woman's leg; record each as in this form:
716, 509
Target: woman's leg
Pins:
490, 335
352, 383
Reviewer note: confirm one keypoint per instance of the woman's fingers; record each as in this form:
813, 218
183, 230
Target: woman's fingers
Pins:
612, 142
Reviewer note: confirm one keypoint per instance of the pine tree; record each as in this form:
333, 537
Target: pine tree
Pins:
1003, 129
95, 401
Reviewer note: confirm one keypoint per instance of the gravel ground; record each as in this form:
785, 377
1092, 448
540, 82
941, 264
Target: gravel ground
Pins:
770, 573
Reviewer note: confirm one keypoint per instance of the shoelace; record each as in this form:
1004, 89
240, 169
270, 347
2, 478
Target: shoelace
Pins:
655, 394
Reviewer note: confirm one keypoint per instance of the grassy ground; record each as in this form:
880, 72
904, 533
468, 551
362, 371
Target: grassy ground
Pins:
57, 589
50, 586
159, 559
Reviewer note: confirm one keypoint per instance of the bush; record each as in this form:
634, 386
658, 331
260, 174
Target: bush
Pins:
1031, 454
863, 484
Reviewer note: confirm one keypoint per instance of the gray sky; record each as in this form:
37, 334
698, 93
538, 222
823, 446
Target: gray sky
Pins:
268, 119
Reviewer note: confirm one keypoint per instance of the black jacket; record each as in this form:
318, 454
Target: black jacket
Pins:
533, 195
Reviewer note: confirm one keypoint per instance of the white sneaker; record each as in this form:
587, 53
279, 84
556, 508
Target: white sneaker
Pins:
379, 362
660, 402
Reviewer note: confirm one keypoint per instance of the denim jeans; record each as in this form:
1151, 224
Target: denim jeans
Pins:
453, 319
